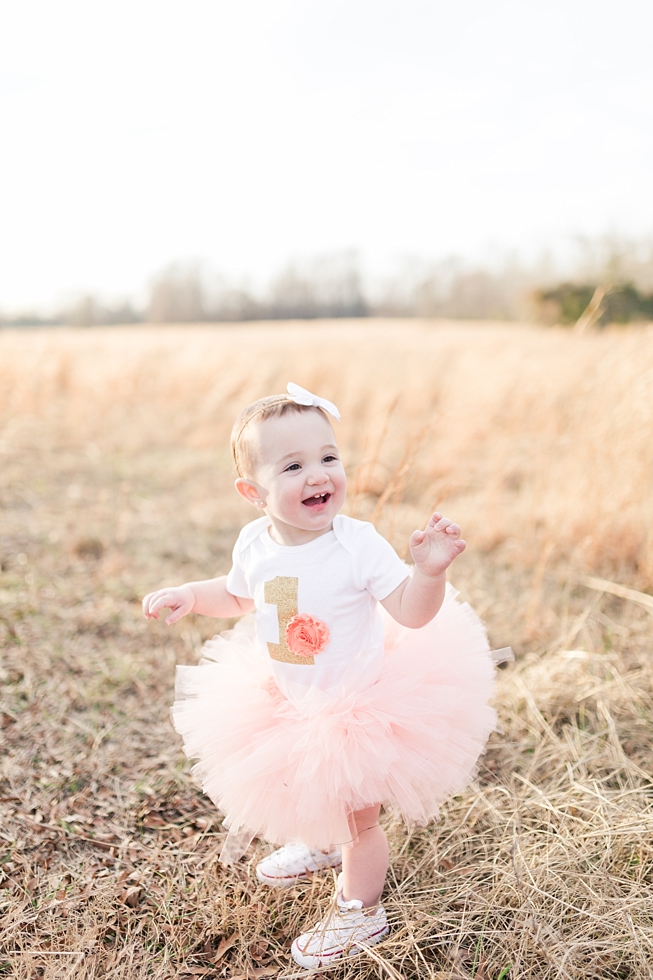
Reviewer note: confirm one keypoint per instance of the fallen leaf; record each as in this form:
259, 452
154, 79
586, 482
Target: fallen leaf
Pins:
152, 821
259, 950
224, 945
130, 896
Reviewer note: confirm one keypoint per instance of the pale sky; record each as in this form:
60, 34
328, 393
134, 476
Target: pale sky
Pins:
247, 133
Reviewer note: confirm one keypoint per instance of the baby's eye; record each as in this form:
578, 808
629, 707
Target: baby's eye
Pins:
331, 458
293, 466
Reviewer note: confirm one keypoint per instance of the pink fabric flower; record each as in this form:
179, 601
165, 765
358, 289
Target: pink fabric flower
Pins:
306, 635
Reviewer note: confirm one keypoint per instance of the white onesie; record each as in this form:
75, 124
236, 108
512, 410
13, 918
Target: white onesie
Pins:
336, 578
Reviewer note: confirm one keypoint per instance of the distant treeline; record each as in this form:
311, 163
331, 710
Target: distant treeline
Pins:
567, 302
334, 286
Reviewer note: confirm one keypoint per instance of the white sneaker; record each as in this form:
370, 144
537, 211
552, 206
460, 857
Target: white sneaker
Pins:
294, 863
346, 931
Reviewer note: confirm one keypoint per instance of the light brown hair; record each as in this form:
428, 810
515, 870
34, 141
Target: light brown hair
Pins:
272, 407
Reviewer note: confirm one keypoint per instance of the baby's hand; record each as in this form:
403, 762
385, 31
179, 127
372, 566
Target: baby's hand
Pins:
180, 599
435, 548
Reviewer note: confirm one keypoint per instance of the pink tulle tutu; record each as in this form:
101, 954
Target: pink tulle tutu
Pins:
409, 740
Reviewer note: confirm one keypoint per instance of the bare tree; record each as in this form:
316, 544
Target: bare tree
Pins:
89, 311
328, 286
177, 296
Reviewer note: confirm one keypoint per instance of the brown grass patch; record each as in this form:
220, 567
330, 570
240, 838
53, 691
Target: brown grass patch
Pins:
115, 478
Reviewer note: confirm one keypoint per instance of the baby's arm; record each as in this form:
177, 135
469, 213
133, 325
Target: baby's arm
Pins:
208, 598
417, 600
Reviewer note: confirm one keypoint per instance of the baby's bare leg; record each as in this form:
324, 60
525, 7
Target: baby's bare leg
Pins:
365, 860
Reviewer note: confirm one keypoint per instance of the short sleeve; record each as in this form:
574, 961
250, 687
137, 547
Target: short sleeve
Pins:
236, 582
378, 567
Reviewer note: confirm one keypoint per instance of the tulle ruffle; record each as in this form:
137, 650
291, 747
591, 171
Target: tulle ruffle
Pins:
408, 741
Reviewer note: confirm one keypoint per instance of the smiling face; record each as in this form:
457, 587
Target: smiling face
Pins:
298, 477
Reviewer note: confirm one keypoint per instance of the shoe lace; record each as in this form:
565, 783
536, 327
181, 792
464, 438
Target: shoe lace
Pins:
336, 916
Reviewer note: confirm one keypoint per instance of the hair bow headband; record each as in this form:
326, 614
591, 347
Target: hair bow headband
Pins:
303, 397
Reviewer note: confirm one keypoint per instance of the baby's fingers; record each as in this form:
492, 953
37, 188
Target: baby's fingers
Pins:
440, 523
454, 530
159, 600
148, 602
178, 613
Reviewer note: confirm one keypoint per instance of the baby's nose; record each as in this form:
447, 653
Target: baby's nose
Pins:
317, 476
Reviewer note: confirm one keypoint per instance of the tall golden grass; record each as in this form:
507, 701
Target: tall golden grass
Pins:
115, 477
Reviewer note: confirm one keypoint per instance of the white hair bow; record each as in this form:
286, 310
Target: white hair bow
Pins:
304, 397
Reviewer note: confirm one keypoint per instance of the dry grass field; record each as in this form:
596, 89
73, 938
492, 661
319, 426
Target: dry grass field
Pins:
115, 478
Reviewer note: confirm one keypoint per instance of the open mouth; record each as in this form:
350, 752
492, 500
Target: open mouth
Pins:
317, 500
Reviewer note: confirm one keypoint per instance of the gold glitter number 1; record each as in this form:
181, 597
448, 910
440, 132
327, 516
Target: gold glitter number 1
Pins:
282, 593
